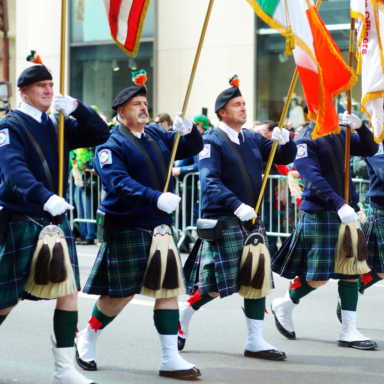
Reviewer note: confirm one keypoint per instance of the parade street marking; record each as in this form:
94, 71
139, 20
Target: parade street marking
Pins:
133, 301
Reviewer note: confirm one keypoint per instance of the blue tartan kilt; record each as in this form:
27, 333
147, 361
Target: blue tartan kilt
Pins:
16, 252
310, 250
374, 232
121, 263
217, 263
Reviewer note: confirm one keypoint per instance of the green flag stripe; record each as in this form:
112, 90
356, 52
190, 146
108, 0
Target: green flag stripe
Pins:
268, 6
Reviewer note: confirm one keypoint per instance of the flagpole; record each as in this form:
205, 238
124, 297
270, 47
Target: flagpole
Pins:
189, 89
61, 116
281, 125
349, 109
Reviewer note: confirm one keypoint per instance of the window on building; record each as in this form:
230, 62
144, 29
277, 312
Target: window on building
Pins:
99, 69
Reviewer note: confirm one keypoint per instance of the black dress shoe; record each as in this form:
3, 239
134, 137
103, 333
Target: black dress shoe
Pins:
186, 374
338, 311
282, 330
271, 354
180, 343
86, 365
364, 345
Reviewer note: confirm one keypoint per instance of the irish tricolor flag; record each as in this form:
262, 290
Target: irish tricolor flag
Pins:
322, 69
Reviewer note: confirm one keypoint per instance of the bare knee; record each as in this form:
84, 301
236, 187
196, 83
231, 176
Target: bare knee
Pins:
317, 284
112, 307
170, 303
5, 311
214, 294
381, 275
67, 303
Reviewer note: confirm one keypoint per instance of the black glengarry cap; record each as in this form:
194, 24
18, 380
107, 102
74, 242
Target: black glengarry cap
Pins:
33, 75
127, 94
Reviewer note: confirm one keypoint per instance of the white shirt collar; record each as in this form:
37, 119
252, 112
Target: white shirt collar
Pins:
232, 134
138, 134
30, 111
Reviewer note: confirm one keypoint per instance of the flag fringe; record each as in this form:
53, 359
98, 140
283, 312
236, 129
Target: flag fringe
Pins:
378, 4
359, 16
139, 31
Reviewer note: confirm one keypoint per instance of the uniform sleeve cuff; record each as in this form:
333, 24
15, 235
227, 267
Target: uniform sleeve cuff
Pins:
82, 112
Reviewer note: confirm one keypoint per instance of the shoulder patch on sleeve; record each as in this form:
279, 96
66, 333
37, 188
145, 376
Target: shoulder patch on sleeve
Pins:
4, 137
302, 151
206, 152
379, 152
105, 157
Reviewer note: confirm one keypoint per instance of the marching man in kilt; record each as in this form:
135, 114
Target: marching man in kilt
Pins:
311, 254
374, 226
229, 195
138, 254
28, 201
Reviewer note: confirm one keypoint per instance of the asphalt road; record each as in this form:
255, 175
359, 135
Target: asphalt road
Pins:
129, 349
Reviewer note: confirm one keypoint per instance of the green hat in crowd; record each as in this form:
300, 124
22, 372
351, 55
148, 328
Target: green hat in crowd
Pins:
203, 121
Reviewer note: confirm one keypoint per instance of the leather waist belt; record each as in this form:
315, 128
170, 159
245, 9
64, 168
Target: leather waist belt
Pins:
230, 223
15, 217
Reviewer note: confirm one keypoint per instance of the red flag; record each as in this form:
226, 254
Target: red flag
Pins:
126, 20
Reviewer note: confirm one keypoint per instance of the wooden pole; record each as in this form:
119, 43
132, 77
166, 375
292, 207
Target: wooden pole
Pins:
60, 184
281, 125
189, 89
349, 109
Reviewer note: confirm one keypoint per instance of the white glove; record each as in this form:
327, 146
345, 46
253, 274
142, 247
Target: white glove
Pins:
56, 205
352, 120
245, 212
281, 136
64, 104
168, 202
184, 127
347, 214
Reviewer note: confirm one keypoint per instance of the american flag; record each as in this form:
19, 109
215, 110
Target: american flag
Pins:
126, 20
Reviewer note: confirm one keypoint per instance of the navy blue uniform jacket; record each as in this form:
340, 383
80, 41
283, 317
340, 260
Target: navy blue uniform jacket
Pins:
126, 179
314, 164
375, 166
223, 189
24, 187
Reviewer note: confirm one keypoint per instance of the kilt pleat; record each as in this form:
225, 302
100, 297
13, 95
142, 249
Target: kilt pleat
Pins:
310, 250
217, 263
16, 253
374, 233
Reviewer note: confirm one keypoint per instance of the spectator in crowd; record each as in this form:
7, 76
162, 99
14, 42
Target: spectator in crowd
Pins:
164, 120
298, 130
361, 172
270, 215
85, 189
182, 167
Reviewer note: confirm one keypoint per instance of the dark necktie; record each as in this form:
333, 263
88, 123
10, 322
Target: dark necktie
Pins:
142, 137
44, 118
241, 141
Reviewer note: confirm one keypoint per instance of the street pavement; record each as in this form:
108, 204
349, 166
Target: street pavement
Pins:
129, 351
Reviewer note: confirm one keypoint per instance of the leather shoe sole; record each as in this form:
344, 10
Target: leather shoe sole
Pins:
86, 365
364, 345
282, 330
180, 343
186, 374
271, 354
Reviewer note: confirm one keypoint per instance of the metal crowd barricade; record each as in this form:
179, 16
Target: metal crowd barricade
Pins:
94, 193
189, 210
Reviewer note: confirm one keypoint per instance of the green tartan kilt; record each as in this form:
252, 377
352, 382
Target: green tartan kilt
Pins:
374, 232
310, 250
218, 263
16, 253
121, 263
